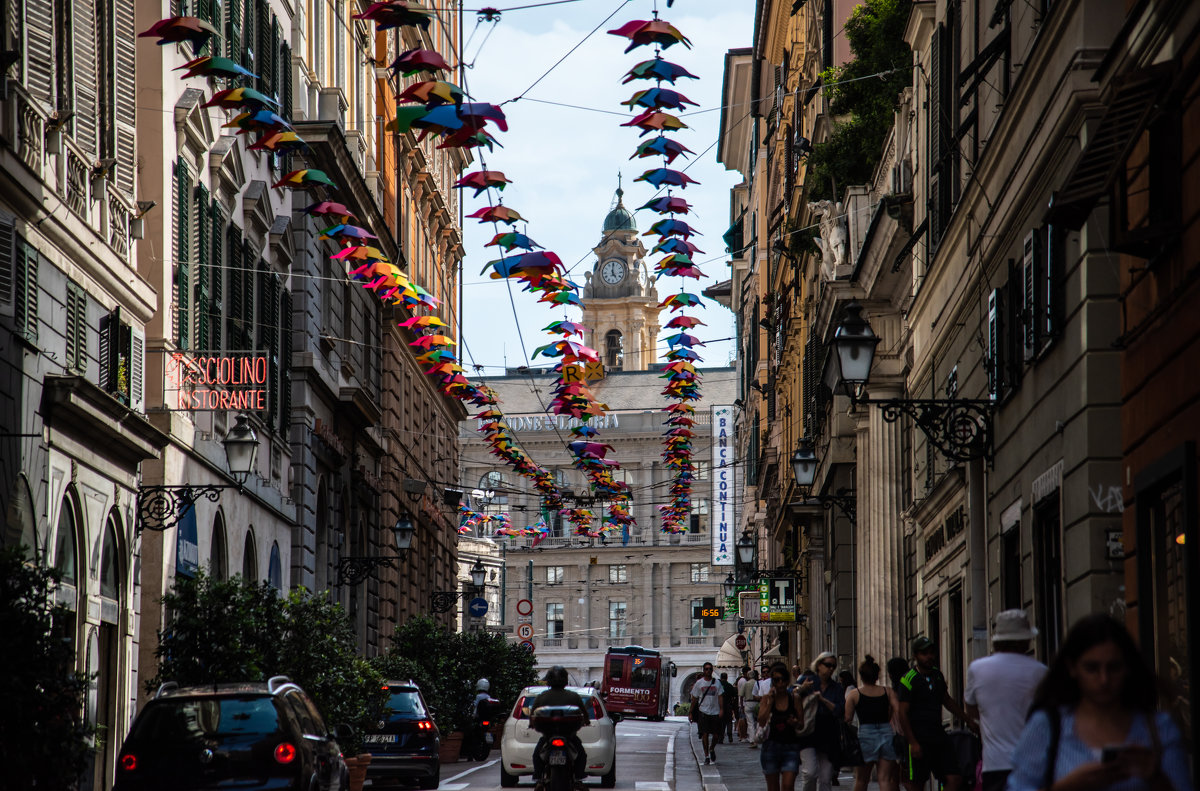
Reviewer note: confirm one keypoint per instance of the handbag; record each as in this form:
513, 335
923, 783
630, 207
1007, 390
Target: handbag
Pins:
849, 747
808, 714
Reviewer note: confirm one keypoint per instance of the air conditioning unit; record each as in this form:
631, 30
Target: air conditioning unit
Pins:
902, 177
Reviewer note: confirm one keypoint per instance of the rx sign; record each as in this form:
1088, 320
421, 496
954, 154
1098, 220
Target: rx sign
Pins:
777, 598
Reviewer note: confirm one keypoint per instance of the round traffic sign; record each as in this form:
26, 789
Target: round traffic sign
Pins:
524, 607
740, 642
525, 631
478, 607
527, 645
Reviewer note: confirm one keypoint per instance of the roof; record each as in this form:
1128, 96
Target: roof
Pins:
619, 218
620, 390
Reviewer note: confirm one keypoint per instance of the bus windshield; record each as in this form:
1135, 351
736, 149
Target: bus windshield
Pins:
643, 677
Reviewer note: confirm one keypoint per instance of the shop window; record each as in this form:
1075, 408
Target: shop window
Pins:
1047, 576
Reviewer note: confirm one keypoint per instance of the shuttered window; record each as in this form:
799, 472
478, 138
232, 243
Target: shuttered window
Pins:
1032, 295
249, 39
77, 328
995, 343
64, 59
84, 40
285, 353
216, 277
39, 49
1056, 274
25, 291
249, 314
7, 259
125, 94
233, 30
183, 234
233, 316
203, 237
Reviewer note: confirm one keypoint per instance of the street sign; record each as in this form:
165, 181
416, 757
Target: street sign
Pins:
478, 607
777, 598
740, 643
593, 371
524, 607
525, 631
572, 374
708, 612
499, 628
527, 645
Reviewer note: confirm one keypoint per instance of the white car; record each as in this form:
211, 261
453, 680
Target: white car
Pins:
599, 739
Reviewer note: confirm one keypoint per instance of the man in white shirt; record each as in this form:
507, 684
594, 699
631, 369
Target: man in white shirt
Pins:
708, 703
999, 691
742, 681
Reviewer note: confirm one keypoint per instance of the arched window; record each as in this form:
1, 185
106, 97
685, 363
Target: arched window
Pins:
275, 568
250, 558
218, 564
65, 543
612, 350
495, 482
110, 572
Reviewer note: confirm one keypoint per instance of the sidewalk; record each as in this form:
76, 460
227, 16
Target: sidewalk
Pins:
737, 768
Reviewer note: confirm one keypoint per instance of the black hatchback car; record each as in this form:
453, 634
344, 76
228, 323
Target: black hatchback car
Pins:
253, 735
404, 744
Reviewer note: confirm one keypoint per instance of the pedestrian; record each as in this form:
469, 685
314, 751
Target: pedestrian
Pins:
750, 708
874, 704
1095, 724
779, 710
742, 726
819, 748
707, 703
728, 706
846, 679
923, 693
999, 690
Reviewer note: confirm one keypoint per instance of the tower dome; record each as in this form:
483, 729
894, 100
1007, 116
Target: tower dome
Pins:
619, 218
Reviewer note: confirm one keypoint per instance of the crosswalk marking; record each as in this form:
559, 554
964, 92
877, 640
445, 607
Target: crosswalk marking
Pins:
651, 785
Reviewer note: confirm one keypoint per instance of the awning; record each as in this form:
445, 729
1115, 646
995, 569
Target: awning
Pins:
729, 656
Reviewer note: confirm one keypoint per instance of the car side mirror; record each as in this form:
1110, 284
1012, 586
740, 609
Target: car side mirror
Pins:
343, 732
614, 716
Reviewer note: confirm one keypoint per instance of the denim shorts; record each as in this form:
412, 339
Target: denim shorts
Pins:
776, 757
876, 742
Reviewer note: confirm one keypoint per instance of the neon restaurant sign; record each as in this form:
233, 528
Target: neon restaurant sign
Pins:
216, 382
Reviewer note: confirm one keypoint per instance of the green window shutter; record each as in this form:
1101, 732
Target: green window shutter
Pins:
203, 266
110, 327
285, 76
233, 321
183, 231
248, 307
233, 30
71, 333
7, 258
285, 356
273, 52
216, 273
25, 297
249, 42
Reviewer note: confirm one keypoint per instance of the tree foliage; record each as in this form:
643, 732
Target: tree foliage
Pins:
875, 32
234, 630
446, 665
42, 729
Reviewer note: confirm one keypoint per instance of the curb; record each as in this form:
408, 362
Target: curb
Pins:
710, 776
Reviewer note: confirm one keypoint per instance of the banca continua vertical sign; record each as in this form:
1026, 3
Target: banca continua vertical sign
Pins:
724, 484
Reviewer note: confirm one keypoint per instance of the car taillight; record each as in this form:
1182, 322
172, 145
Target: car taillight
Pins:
426, 725
128, 762
486, 723
557, 743
285, 753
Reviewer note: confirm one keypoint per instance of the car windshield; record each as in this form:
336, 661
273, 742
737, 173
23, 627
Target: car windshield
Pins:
208, 718
405, 702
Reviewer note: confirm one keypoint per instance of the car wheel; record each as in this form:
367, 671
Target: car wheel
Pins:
430, 782
609, 778
507, 780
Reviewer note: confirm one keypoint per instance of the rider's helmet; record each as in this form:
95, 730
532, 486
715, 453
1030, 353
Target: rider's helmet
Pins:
556, 677
483, 685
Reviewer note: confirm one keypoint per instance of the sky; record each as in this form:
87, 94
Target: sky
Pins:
563, 162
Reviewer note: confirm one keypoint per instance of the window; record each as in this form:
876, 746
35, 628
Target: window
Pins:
616, 669
1010, 568
183, 254
554, 620
1047, 574
275, 568
494, 481
76, 328
612, 350
699, 518
616, 620
699, 572
64, 543
617, 574
110, 574
250, 558
218, 564
25, 291
554, 574
122, 358
698, 628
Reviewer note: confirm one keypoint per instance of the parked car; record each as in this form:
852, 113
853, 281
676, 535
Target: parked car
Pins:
404, 743
599, 739
253, 735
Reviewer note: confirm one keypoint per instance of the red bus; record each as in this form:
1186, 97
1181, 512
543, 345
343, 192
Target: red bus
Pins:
637, 682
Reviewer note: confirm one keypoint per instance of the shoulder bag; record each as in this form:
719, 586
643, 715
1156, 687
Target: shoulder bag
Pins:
850, 751
807, 708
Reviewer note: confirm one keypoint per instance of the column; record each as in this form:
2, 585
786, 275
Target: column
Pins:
887, 532
865, 570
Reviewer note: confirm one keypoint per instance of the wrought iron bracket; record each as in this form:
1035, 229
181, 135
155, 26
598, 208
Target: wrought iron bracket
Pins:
845, 501
161, 507
444, 601
960, 428
353, 570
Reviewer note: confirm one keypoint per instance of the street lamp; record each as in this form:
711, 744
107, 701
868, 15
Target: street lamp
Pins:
804, 464
960, 428
478, 574
443, 601
161, 507
351, 570
729, 587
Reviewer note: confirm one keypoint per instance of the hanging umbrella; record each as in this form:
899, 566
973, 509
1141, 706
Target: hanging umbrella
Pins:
305, 179
395, 13
672, 244
412, 61
278, 143
659, 99
656, 121
510, 240
641, 32
214, 66
347, 232
423, 321
667, 204
263, 120
661, 147
657, 69
497, 214
660, 176
672, 228
232, 98
175, 29
685, 322
432, 92
482, 179
328, 208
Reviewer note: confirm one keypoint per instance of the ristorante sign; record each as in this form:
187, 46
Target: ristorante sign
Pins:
209, 382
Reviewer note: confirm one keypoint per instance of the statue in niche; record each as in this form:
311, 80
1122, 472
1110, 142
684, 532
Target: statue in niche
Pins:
834, 237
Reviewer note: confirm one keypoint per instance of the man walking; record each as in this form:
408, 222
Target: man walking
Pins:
742, 681
923, 693
707, 702
1000, 688
728, 707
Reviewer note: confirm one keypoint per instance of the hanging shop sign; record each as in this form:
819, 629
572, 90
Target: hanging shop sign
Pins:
203, 382
724, 483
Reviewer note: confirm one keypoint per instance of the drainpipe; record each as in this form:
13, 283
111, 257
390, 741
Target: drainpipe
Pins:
977, 551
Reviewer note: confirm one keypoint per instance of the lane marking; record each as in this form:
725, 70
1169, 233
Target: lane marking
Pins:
444, 787
669, 764
452, 786
651, 785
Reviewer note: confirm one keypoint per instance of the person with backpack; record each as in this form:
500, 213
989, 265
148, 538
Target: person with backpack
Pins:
728, 709
819, 748
780, 711
1095, 724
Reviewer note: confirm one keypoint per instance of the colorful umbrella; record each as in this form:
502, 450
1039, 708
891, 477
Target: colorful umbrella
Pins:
305, 179
685, 322
641, 32
261, 121
658, 99
347, 232
232, 98
278, 143
432, 92
672, 228
328, 208
671, 244
214, 66
661, 147
657, 69
481, 180
175, 29
660, 176
423, 321
656, 121
565, 327
412, 61
497, 214
667, 204
510, 240
395, 13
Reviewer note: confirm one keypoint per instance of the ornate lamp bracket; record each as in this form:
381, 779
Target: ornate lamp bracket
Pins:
960, 428
353, 570
161, 507
443, 601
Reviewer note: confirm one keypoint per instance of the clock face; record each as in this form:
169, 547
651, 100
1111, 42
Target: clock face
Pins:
613, 272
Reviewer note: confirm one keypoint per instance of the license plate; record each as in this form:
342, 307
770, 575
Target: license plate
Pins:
558, 759
381, 738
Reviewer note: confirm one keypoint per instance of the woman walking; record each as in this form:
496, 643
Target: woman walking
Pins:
1094, 724
779, 709
818, 748
874, 705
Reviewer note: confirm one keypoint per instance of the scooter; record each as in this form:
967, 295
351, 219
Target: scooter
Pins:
479, 739
559, 751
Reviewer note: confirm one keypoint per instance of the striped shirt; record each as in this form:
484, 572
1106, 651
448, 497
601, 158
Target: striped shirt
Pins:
1032, 752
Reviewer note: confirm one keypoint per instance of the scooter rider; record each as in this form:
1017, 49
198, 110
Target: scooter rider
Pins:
559, 695
483, 689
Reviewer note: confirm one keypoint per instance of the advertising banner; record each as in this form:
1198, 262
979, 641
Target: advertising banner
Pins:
724, 486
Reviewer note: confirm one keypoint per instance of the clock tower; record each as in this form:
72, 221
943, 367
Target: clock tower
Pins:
620, 303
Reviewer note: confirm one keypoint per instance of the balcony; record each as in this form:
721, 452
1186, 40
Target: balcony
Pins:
699, 641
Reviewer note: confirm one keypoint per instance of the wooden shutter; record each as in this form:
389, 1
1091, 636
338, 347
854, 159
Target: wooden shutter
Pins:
26, 297
126, 112
248, 307
268, 335
110, 324
271, 51
85, 31
39, 49
285, 77
233, 30
216, 275
183, 230
285, 354
995, 341
137, 369
1055, 279
249, 41
1031, 309
233, 320
76, 330
203, 266
7, 259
